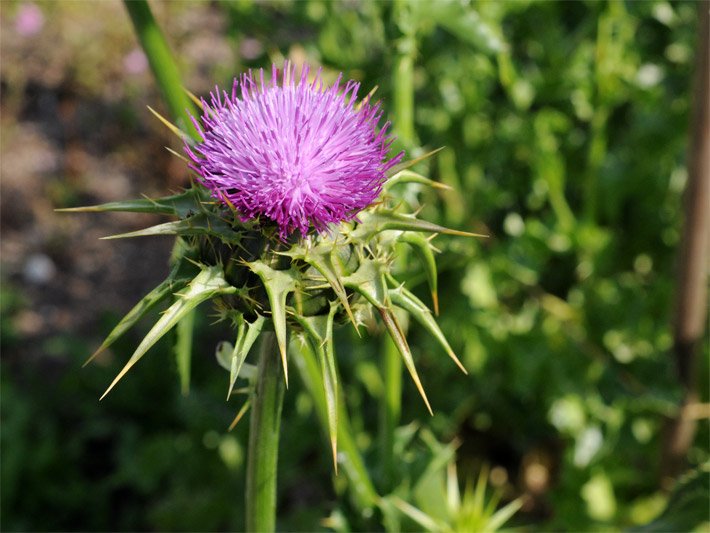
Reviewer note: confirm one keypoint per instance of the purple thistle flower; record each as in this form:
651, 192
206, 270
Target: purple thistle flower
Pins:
297, 153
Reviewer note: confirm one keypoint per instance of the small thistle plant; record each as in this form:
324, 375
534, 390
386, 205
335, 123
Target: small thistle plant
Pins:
289, 229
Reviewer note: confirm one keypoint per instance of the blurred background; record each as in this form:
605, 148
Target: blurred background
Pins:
566, 127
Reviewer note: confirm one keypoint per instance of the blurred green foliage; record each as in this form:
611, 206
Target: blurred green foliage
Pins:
566, 132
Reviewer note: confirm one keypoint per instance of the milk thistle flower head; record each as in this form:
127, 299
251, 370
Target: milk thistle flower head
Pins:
277, 159
292, 150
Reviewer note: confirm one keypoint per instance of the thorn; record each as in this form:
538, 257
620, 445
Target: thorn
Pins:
240, 414
176, 154
449, 231
93, 356
367, 98
457, 361
435, 300
172, 127
194, 98
334, 447
282, 349
442, 186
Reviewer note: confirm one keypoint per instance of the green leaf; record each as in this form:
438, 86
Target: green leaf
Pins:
247, 333
362, 490
420, 517
400, 341
320, 332
207, 284
369, 281
424, 250
182, 205
147, 303
204, 223
183, 349
372, 223
428, 491
403, 298
278, 284
320, 257
409, 176
408, 164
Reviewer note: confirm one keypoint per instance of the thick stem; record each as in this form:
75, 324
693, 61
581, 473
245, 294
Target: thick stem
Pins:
264, 429
390, 408
403, 79
162, 64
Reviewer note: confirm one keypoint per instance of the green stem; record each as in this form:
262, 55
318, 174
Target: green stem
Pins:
162, 64
267, 400
390, 408
403, 79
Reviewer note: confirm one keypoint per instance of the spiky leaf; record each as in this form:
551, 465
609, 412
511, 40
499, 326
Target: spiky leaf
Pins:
182, 205
320, 257
400, 341
148, 302
408, 164
278, 284
409, 176
319, 330
205, 223
372, 223
403, 298
247, 333
424, 250
369, 281
206, 285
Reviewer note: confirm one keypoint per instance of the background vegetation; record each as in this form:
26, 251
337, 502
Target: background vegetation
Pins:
566, 131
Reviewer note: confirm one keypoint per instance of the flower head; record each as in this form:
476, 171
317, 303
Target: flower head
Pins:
296, 152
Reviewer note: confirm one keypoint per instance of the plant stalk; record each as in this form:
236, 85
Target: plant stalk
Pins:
403, 79
262, 459
390, 408
162, 64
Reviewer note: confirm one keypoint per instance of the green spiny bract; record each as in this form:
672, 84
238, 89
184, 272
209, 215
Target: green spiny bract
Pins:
306, 286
